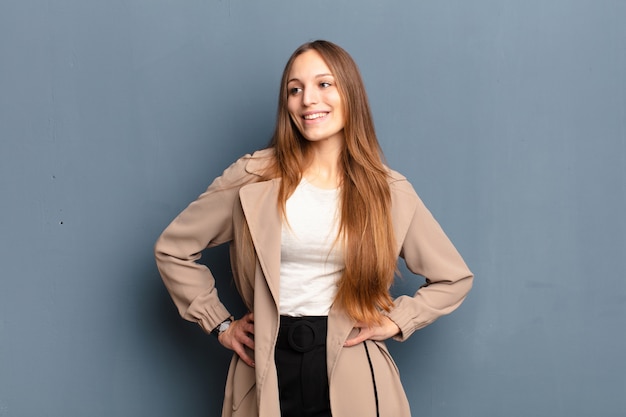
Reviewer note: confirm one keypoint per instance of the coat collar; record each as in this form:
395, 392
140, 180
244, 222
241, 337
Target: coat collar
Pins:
259, 161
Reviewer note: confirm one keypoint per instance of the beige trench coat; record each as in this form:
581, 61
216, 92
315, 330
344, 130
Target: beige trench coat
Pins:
215, 218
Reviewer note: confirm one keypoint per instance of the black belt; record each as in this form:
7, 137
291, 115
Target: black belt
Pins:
302, 334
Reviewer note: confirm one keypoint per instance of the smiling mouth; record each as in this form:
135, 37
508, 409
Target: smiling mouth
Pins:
314, 116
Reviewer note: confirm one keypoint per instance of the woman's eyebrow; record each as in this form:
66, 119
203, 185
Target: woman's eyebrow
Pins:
316, 76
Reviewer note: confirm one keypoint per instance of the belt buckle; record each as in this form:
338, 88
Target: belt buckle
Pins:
292, 342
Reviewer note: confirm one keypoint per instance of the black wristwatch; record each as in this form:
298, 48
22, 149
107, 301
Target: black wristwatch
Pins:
222, 327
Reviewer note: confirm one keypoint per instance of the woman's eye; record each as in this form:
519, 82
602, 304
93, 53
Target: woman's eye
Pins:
294, 90
325, 84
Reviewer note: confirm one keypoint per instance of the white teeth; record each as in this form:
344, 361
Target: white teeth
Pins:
314, 116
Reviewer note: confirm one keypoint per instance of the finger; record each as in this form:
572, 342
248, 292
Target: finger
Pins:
354, 341
249, 328
239, 350
244, 332
363, 335
243, 335
247, 341
249, 318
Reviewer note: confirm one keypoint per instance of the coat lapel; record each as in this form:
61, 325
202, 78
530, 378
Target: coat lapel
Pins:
259, 203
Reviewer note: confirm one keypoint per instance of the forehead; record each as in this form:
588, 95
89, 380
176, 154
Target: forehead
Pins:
309, 64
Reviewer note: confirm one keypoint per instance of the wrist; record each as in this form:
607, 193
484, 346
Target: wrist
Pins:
393, 327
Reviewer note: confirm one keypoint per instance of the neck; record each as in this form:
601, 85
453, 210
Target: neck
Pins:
323, 169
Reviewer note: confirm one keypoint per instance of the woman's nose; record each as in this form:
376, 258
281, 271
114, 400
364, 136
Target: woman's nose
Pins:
310, 96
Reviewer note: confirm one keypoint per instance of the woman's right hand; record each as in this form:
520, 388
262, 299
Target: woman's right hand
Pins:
238, 336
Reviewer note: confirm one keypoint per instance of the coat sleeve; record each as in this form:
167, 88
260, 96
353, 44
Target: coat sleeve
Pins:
205, 223
428, 252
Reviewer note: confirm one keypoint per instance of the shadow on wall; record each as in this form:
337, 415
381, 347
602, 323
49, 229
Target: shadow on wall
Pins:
189, 359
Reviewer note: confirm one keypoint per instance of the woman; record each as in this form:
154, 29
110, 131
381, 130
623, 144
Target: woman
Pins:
316, 223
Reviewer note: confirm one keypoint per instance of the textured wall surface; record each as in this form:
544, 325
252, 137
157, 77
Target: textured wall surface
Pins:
509, 117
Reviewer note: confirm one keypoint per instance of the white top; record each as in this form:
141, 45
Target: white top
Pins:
311, 260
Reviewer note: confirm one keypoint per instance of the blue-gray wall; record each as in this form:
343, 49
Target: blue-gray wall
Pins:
509, 117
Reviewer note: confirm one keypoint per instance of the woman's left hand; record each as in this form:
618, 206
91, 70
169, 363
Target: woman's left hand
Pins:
383, 331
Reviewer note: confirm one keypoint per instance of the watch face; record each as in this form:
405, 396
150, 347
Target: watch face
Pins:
224, 326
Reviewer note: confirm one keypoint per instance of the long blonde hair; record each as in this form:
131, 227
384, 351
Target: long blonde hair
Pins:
365, 226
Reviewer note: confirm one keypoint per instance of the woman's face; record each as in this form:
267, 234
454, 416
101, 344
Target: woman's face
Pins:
314, 102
